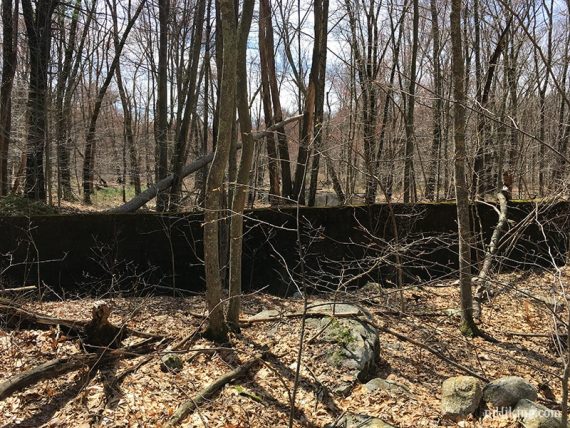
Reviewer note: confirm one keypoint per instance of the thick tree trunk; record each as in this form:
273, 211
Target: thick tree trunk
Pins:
38, 25
9, 64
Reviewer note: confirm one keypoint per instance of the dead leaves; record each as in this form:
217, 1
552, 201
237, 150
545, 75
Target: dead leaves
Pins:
148, 397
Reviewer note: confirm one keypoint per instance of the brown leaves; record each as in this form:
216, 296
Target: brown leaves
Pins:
148, 397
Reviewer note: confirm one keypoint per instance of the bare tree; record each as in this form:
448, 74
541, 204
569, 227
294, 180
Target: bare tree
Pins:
9, 64
217, 328
468, 326
38, 25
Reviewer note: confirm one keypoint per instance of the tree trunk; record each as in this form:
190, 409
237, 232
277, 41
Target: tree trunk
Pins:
90, 140
409, 176
217, 328
468, 326
38, 26
437, 105
191, 99
9, 64
248, 150
267, 73
161, 120
313, 96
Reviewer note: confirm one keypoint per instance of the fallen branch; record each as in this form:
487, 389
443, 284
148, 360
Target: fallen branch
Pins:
435, 352
185, 408
151, 193
18, 289
299, 315
481, 279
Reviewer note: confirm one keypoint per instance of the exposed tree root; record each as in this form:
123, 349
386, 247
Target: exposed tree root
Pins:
185, 408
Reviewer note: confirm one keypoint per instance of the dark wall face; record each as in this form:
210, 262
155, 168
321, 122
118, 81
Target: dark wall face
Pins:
101, 253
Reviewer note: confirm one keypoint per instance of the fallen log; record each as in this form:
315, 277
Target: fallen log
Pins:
17, 315
151, 193
60, 366
185, 408
48, 370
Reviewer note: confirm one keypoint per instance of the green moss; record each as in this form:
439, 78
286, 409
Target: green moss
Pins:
20, 206
340, 333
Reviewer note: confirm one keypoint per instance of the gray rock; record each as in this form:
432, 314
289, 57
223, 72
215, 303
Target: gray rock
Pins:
507, 391
533, 415
386, 385
269, 313
358, 346
460, 396
171, 363
332, 308
351, 420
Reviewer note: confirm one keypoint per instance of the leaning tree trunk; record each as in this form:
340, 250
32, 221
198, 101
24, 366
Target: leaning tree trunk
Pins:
268, 45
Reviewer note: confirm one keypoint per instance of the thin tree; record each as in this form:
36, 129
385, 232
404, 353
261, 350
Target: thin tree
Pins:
90, 138
161, 120
217, 328
409, 176
312, 98
246, 162
468, 326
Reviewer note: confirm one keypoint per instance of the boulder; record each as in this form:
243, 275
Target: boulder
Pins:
351, 420
533, 415
507, 391
358, 345
460, 396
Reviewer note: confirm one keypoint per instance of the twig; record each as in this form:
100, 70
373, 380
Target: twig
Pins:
434, 352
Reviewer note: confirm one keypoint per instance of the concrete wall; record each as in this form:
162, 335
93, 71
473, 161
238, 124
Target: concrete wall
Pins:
96, 253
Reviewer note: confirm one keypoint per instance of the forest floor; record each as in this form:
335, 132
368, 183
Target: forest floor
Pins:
147, 396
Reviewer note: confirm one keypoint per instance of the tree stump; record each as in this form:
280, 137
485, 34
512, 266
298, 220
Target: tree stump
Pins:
100, 334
